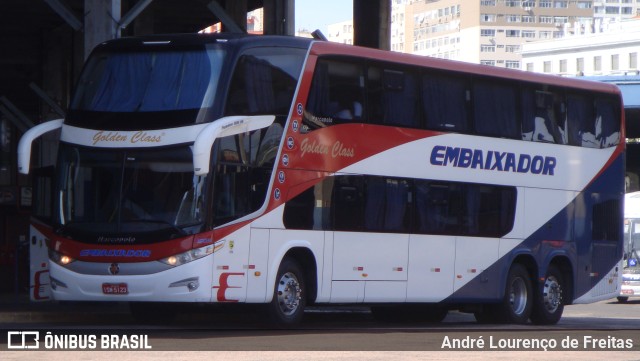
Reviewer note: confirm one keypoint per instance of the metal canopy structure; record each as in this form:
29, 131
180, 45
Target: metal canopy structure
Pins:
31, 31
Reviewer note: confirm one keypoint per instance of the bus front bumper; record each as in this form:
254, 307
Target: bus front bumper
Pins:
190, 282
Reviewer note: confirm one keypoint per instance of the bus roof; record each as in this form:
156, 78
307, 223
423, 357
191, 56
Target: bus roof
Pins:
328, 48
192, 40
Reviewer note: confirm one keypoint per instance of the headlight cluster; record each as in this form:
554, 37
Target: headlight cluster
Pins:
60, 258
186, 257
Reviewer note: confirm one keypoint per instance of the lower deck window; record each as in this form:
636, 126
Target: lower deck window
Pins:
395, 205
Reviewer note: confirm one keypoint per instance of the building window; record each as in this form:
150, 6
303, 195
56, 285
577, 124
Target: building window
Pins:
488, 3
545, 19
513, 33
545, 4
561, 19
546, 67
529, 66
488, 18
513, 18
528, 19
597, 63
488, 32
512, 64
563, 66
546, 34
513, 3
560, 4
584, 4
528, 4
615, 62
488, 62
487, 48
580, 65
512, 48
529, 34
633, 60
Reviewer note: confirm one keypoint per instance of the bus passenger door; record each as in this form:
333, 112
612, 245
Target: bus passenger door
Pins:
258, 265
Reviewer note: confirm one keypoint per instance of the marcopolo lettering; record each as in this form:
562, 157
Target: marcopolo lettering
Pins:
144, 253
492, 160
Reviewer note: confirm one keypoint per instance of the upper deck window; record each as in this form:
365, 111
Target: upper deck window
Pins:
149, 85
129, 82
264, 81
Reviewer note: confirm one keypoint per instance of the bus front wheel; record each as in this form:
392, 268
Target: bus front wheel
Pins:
289, 295
549, 305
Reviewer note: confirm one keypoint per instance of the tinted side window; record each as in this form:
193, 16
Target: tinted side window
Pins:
445, 100
607, 220
463, 209
607, 122
581, 121
336, 95
392, 97
264, 82
494, 111
347, 203
386, 205
544, 116
243, 169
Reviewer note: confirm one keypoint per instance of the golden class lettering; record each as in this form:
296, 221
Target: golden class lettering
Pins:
115, 137
336, 150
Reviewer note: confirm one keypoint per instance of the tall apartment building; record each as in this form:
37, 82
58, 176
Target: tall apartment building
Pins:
490, 31
616, 9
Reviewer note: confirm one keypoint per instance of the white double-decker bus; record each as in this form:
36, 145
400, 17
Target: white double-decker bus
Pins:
290, 172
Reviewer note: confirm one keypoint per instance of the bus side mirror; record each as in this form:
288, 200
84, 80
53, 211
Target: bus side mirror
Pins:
222, 128
24, 146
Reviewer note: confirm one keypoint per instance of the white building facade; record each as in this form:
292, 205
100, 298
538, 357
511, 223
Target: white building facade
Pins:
614, 51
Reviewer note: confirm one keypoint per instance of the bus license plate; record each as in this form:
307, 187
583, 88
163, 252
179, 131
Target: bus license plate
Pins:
115, 288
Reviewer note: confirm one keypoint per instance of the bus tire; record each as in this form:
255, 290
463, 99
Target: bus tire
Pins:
518, 297
622, 299
548, 304
289, 295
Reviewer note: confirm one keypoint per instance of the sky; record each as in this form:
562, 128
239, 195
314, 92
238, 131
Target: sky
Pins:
318, 14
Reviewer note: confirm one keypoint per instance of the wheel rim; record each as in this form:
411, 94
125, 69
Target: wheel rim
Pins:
518, 296
551, 294
289, 293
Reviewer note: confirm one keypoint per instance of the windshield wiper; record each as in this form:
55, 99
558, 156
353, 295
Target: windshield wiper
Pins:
172, 226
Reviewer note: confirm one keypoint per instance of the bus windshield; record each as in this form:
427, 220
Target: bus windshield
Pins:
107, 192
156, 87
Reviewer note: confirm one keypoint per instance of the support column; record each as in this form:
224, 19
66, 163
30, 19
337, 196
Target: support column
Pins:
101, 19
237, 9
372, 23
279, 17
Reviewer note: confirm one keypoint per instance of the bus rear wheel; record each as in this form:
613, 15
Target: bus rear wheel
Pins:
518, 298
289, 295
549, 305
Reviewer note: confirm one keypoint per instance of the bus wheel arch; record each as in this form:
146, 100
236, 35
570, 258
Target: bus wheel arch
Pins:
517, 300
295, 287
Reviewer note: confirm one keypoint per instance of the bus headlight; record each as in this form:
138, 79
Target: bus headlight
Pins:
59, 258
186, 257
